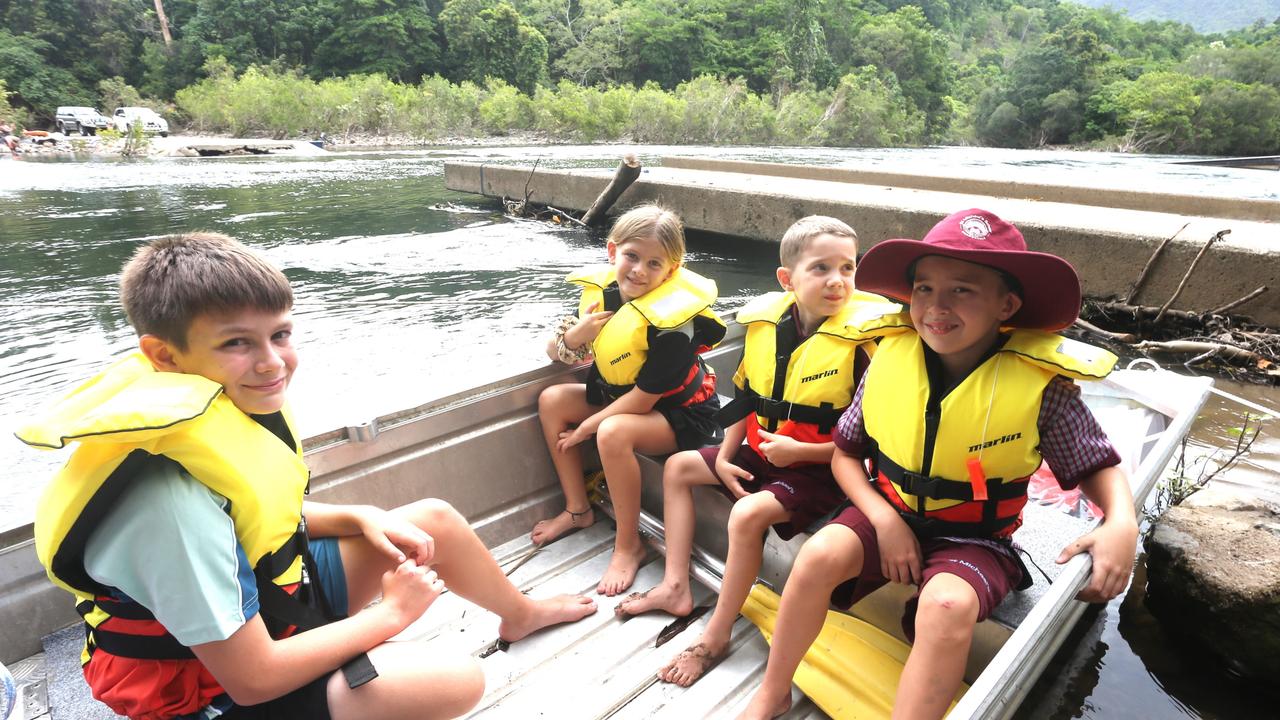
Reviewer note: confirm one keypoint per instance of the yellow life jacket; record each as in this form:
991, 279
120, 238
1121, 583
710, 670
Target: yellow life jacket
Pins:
622, 346
959, 466
121, 420
801, 394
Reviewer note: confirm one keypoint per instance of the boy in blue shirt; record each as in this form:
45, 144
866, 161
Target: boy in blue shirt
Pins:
179, 524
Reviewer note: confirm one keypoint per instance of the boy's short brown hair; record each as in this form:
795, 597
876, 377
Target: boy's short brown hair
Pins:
171, 281
804, 230
651, 221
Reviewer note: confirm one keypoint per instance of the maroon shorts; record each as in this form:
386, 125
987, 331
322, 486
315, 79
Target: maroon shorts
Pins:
989, 571
808, 492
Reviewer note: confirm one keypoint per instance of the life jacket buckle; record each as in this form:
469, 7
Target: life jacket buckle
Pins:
772, 409
921, 485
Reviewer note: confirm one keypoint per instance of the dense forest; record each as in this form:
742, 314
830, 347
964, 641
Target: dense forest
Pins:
1014, 73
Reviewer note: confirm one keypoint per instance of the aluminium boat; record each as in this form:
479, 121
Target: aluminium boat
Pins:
482, 450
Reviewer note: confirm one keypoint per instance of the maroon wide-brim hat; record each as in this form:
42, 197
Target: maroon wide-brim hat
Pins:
1050, 286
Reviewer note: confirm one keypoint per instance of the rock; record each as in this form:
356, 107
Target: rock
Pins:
1213, 573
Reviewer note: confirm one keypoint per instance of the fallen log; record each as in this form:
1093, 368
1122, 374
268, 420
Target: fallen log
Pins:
627, 172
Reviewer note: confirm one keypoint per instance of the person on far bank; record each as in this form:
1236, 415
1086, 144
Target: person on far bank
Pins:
645, 319
800, 365
179, 523
966, 394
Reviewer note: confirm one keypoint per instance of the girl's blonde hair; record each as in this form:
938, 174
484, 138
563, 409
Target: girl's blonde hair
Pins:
651, 221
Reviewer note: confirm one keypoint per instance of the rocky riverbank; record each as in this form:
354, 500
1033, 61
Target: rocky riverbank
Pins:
1213, 574
196, 145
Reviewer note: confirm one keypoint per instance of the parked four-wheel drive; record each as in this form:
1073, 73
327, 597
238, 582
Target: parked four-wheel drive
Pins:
72, 119
125, 118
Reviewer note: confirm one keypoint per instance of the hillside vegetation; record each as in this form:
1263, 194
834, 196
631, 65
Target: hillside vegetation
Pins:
1022, 73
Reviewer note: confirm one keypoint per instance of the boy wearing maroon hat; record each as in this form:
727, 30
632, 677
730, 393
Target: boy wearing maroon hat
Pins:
962, 401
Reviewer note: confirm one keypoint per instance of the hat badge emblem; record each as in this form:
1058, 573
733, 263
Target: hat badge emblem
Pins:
975, 226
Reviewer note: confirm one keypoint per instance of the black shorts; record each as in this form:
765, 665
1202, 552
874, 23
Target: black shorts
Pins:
309, 702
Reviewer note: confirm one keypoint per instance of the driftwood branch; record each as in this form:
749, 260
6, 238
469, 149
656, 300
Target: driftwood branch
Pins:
527, 192
1237, 303
1234, 352
627, 172
1190, 269
1138, 311
1118, 337
566, 216
1142, 276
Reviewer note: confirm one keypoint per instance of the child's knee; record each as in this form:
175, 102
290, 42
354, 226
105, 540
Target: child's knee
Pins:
947, 609
753, 514
682, 468
433, 514
471, 682
550, 399
613, 436
829, 557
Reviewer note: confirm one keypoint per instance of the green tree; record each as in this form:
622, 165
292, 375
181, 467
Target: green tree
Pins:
669, 42
868, 109
34, 81
491, 39
8, 113
904, 43
1237, 119
393, 37
1154, 112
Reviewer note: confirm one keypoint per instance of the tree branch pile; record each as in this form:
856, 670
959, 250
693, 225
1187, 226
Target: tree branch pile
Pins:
1214, 339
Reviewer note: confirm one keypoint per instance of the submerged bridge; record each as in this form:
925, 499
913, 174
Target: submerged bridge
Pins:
1108, 234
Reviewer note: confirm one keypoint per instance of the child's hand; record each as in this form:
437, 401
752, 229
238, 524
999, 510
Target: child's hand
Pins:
1113, 545
588, 327
572, 438
899, 549
780, 450
409, 589
730, 474
396, 537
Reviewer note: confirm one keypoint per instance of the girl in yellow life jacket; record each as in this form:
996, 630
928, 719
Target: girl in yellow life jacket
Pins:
645, 319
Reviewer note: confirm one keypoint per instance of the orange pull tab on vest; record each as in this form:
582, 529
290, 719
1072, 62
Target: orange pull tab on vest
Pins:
977, 478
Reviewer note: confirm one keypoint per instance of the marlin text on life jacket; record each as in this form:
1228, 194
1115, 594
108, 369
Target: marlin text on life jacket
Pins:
993, 443
815, 376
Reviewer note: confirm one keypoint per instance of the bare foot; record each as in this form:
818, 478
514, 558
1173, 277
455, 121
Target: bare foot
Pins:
552, 529
763, 707
694, 661
542, 613
622, 570
674, 598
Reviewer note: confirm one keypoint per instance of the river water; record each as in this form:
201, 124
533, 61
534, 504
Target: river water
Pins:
407, 292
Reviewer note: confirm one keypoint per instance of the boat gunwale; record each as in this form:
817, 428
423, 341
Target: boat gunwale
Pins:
1002, 686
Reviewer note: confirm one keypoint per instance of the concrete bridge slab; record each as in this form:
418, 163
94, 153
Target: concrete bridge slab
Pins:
1107, 235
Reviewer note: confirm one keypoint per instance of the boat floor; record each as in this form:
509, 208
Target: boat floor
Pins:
604, 666
599, 667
